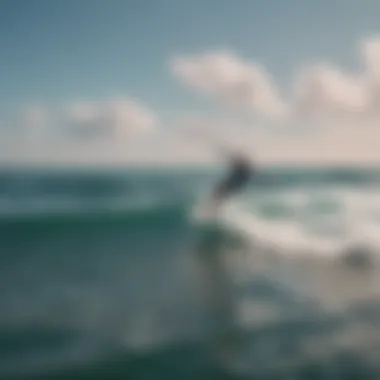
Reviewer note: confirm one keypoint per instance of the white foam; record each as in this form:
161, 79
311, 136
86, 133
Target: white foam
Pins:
308, 230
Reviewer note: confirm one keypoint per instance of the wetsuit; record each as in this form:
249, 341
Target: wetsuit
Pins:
239, 176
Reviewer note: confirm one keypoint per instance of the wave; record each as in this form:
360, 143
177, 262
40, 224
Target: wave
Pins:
163, 215
321, 222
335, 224
327, 221
297, 239
318, 176
61, 186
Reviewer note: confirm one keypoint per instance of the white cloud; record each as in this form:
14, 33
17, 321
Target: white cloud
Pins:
325, 92
371, 55
344, 106
232, 80
106, 131
370, 49
337, 96
322, 92
111, 118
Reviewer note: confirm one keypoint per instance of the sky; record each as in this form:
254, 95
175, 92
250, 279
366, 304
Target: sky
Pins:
132, 81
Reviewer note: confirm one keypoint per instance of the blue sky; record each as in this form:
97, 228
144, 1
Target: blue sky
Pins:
56, 52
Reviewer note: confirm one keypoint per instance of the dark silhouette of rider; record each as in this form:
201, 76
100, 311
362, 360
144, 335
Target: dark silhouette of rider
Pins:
239, 175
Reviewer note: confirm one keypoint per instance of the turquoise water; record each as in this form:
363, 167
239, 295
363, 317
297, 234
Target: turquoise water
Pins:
108, 275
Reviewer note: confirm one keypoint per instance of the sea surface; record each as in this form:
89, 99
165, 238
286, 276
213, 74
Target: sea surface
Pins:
115, 274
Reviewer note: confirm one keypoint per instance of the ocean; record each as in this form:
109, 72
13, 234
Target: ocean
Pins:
113, 274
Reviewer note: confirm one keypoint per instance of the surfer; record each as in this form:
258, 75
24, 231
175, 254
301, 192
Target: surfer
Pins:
238, 177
